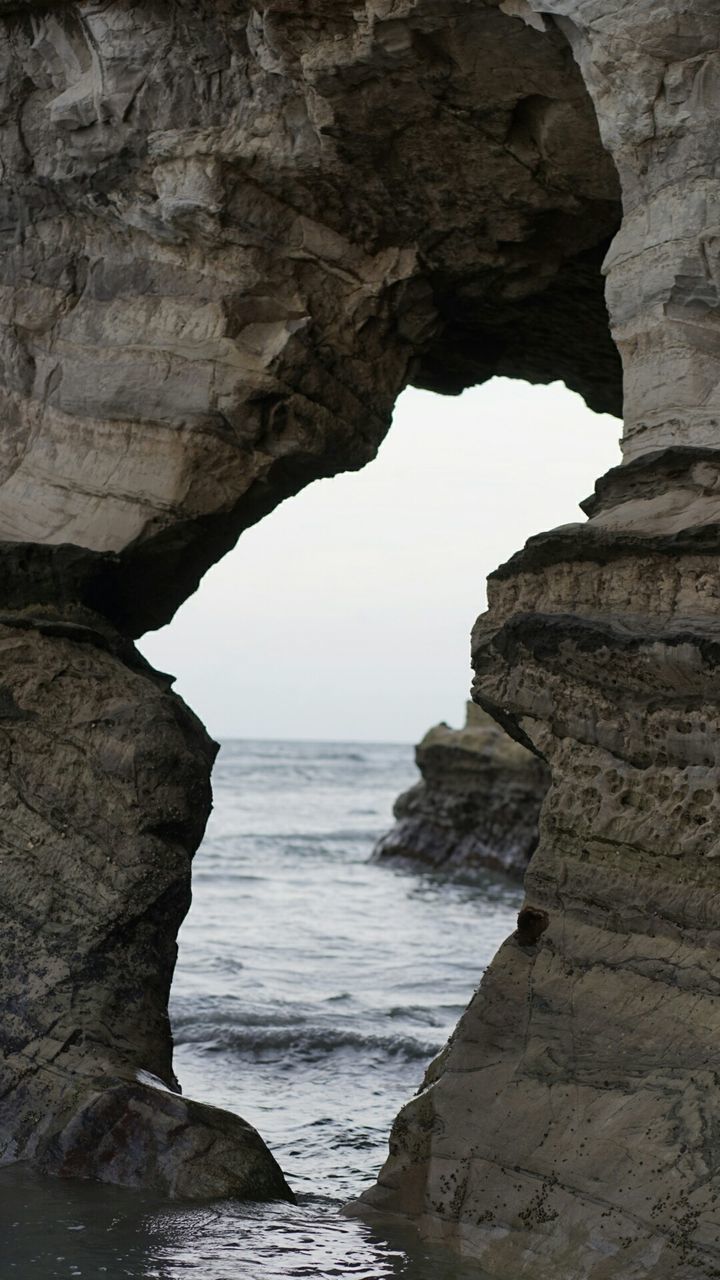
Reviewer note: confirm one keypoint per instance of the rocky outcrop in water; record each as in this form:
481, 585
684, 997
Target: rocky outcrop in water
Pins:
477, 805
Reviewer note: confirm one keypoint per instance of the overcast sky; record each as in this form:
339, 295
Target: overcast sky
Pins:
345, 615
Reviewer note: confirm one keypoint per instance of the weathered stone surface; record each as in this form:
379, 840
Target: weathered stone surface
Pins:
104, 794
477, 804
568, 1131
230, 232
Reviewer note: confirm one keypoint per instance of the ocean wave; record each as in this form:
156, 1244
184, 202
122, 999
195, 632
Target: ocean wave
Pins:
416, 1013
288, 841
301, 1041
337, 755
218, 1019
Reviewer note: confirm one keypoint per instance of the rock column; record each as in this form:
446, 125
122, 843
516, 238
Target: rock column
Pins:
104, 792
569, 1129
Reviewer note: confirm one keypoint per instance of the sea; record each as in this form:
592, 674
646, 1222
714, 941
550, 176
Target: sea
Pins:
313, 988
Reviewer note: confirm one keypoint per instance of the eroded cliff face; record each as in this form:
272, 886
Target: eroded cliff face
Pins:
230, 234
568, 1131
476, 806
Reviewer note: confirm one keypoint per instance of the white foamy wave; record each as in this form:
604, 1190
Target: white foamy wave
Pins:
301, 1041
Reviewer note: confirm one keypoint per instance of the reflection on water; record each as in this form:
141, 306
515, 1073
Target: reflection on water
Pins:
312, 990
52, 1230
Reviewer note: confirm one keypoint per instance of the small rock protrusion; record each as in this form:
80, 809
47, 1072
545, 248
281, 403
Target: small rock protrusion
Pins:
531, 924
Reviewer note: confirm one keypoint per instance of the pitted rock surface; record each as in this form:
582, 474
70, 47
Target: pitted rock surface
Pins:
567, 1130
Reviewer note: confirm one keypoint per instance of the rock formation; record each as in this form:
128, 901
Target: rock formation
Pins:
477, 805
231, 232
568, 1130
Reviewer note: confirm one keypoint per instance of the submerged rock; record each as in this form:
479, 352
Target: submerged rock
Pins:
478, 802
138, 1135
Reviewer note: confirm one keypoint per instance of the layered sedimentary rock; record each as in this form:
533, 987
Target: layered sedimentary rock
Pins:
230, 233
477, 804
568, 1130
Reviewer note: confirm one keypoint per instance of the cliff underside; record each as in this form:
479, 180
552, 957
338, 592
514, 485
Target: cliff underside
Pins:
231, 233
476, 806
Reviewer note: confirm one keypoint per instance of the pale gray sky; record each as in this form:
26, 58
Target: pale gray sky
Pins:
346, 613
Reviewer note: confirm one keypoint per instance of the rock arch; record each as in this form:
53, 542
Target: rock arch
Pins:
231, 233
